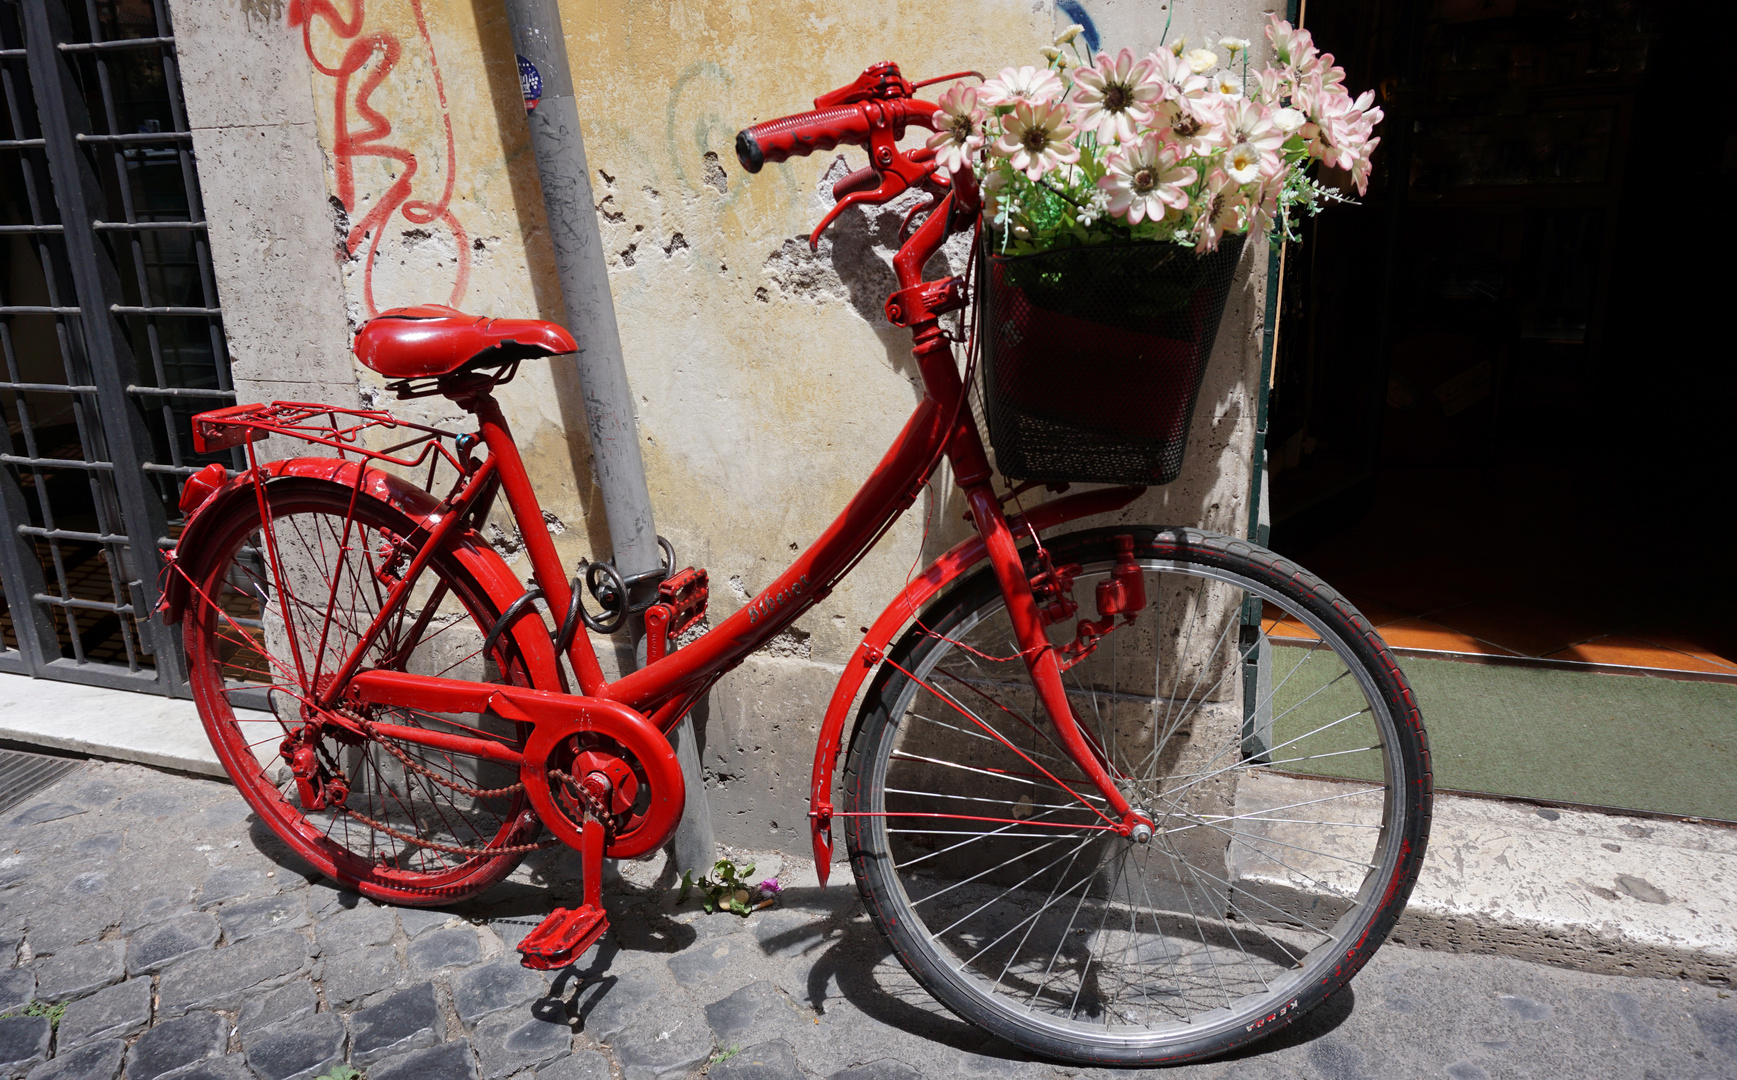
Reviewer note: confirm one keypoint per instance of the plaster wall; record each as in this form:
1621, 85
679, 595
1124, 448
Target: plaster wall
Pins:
358, 157
262, 180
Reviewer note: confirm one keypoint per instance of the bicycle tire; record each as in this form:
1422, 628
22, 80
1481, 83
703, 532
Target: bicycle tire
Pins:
1012, 905
453, 839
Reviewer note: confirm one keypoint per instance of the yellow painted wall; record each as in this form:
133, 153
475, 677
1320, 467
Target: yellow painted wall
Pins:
767, 381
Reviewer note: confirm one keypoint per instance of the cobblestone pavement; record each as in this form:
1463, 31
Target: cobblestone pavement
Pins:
183, 941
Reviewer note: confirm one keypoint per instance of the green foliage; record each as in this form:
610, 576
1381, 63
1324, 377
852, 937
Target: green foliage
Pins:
725, 1055
727, 889
1303, 196
43, 1008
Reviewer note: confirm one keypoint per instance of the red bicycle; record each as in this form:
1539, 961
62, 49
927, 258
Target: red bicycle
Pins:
1150, 835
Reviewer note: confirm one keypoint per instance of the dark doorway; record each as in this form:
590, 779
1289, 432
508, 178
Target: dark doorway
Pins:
1502, 387
1502, 383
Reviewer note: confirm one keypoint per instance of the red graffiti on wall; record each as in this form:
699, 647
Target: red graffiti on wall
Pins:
368, 139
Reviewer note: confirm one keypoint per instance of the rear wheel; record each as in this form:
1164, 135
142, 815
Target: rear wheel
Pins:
279, 610
1282, 761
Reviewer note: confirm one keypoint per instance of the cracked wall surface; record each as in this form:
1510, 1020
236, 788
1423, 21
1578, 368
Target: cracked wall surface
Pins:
358, 160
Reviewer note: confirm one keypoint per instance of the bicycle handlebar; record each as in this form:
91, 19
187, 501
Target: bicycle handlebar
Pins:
874, 111
799, 135
823, 129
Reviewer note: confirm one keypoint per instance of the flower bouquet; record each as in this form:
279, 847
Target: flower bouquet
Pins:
1117, 193
1170, 147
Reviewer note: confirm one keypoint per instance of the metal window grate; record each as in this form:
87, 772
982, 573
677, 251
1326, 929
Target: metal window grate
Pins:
110, 332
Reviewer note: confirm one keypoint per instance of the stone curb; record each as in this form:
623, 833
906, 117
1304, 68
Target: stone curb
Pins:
1604, 893
119, 725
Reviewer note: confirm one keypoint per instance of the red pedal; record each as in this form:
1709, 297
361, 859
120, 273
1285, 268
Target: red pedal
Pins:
559, 939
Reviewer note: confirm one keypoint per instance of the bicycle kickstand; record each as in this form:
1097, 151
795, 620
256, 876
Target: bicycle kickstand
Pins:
566, 933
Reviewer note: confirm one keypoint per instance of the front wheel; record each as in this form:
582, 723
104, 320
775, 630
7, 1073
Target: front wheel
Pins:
1254, 716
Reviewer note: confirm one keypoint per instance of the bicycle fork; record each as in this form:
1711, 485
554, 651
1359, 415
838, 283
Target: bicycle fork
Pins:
972, 472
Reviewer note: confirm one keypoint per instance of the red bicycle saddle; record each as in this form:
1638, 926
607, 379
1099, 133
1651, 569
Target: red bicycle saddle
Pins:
430, 340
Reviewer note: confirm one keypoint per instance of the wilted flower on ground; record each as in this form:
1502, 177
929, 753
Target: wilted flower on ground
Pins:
958, 128
1144, 181
1115, 96
1036, 138
1033, 85
770, 887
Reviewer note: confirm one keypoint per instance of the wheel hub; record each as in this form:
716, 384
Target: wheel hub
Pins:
1142, 832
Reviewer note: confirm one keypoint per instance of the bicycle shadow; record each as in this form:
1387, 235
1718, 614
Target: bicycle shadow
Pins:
542, 884
853, 962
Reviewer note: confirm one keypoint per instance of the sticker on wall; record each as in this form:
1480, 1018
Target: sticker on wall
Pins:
530, 83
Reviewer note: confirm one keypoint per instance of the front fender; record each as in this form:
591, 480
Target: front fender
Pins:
950, 567
470, 550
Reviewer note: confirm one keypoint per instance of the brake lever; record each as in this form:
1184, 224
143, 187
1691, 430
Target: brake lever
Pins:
881, 81
864, 179
938, 187
895, 172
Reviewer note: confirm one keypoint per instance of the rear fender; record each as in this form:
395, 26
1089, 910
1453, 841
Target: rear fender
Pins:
944, 571
471, 551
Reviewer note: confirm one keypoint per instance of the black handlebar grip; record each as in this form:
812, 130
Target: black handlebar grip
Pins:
804, 133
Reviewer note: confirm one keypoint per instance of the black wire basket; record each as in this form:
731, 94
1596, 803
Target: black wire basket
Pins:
1093, 356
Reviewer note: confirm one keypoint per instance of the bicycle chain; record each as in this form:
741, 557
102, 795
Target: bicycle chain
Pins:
593, 805
449, 849
367, 727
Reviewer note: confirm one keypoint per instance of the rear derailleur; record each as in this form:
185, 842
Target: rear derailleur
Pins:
318, 786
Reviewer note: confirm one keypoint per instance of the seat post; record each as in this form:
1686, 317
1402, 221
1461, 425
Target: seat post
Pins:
528, 513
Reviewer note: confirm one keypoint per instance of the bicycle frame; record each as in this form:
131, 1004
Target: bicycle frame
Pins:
640, 707
1141, 880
